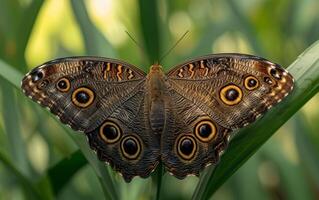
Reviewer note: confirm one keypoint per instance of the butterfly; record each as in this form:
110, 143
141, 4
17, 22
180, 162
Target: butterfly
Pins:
182, 118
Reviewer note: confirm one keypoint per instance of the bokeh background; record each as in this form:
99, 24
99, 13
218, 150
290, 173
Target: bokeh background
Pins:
33, 145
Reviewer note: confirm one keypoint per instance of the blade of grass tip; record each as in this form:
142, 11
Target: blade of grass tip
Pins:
149, 20
29, 189
306, 73
95, 43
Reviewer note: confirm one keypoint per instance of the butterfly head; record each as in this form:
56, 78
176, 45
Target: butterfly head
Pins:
156, 68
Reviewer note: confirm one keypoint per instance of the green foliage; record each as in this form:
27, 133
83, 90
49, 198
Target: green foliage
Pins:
72, 171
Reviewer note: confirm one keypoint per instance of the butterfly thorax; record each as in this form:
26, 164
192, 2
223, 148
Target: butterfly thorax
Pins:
156, 86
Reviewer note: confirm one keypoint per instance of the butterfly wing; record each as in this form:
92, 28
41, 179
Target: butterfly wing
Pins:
103, 98
212, 96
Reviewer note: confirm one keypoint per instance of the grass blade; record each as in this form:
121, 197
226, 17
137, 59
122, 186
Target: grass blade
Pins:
150, 28
293, 182
68, 167
10, 74
95, 43
306, 73
29, 189
25, 26
307, 147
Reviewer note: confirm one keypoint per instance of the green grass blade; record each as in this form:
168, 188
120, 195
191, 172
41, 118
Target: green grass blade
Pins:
247, 141
95, 43
150, 28
25, 26
307, 147
29, 189
247, 184
10, 74
11, 117
68, 167
292, 180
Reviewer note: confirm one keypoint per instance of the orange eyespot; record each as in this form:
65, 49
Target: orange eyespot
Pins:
231, 94
251, 83
110, 132
186, 147
131, 147
83, 97
63, 85
205, 130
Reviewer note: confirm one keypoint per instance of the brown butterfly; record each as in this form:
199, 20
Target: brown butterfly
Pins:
182, 118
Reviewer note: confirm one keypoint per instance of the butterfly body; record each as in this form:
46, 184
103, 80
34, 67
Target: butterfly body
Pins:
182, 118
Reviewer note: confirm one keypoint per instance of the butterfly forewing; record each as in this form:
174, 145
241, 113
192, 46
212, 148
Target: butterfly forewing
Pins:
80, 90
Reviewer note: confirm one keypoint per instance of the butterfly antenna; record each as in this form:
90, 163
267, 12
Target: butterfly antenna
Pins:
176, 43
137, 44
142, 52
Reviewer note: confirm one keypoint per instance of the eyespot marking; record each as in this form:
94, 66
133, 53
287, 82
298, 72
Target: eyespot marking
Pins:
231, 94
130, 147
186, 147
251, 83
110, 132
36, 75
205, 130
63, 85
83, 97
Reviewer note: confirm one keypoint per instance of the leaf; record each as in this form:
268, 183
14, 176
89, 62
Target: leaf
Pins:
30, 190
11, 117
10, 74
68, 167
307, 147
150, 28
95, 43
306, 73
26, 24
292, 180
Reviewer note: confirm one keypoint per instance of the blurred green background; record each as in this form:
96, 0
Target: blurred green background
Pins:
40, 158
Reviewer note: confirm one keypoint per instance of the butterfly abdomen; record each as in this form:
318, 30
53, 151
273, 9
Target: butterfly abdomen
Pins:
157, 116
156, 85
